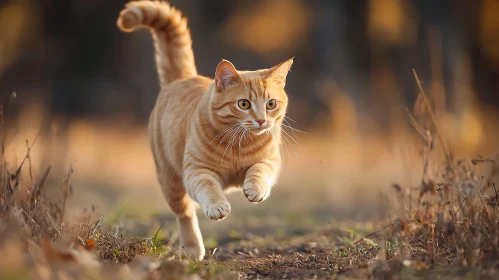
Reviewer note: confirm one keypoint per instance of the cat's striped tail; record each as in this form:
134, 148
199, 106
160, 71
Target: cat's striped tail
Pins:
172, 38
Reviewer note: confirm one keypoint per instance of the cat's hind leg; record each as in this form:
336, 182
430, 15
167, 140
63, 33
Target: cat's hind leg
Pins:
184, 207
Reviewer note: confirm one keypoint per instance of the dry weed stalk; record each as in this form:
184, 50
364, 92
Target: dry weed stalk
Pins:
453, 220
35, 222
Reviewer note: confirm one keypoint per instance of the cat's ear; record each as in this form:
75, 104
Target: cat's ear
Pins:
279, 72
226, 75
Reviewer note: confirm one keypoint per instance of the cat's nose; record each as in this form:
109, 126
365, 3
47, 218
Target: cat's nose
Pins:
260, 122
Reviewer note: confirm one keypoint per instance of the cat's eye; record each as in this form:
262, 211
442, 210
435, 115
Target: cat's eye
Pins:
271, 104
244, 104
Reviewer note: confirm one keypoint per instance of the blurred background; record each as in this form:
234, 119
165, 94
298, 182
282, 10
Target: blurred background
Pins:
88, 89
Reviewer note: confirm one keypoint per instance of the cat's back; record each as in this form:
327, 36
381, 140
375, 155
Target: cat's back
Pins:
172, 116
184, 93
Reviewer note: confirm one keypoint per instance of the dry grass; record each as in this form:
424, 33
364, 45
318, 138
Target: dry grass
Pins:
447, 226
451, 219
34, 224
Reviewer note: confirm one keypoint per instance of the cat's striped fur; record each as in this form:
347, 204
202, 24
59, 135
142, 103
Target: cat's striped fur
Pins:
208, 134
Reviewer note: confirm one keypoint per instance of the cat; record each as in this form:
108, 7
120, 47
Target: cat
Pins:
207, 135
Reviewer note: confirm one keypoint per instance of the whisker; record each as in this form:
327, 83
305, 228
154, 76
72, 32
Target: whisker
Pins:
229, 133
226, 135
246, 136
221, 132
226, 130
234, 135
290, 143
274, 138
251, 137
289, 118
284, 126
294, 140
236, 132
281, 146
242, 136
294, 129
283, 143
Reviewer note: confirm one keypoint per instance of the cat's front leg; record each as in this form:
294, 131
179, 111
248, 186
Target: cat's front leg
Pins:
204, 187
259, 180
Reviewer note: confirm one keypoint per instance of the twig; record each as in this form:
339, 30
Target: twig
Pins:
66, 191
477, 161
415, 220
42, 181
96, 226
432, 115
117, 231
53, 223
2, 128
416, 126
13, 97
373, 233
82, 241
29, 164
459, 208
497, 198
480, 192
188, 255
37, 188
30, 217
16, 173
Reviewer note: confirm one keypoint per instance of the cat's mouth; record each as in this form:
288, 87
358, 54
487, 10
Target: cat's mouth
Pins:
259, 131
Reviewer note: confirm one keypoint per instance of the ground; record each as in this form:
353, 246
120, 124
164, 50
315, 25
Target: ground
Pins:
439, 238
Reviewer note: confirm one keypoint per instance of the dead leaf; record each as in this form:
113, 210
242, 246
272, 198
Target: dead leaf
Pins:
90, 244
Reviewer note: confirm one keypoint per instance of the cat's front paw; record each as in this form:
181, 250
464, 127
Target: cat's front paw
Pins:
255, 190
218, 210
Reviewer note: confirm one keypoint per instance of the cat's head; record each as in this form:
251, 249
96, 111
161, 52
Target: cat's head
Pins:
255, 100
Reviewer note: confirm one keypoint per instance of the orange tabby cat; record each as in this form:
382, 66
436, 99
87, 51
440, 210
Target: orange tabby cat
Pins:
208, 134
